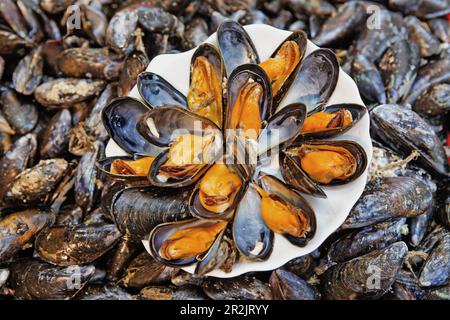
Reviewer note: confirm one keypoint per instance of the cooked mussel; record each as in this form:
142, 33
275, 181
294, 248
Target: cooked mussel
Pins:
126, 167
183, 243
217, 193
285, 211
235, 46
205, 90
284, 63
316, 80
157, 92
249, 100
194, 144
333, 120
252, 237
120, 118
310, 164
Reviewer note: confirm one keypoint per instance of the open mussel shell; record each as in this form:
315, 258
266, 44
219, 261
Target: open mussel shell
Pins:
241, 76
252, 237
120, 118
191, 178
275, 186
357, 111
300, 38
282, 128
163, 231
294, 175
215, 257
199, 211
157, 92
316, 80
235, 46
213, 57
104, 165
163, 125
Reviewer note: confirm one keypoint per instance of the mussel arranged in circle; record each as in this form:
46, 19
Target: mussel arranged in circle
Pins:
285, 211
184, 243
284, 63
194, 143
333, 120
235, 45
120, 118
217, 193
157, 92
309, 164
219, 207
127, 167
316, 80
205, 90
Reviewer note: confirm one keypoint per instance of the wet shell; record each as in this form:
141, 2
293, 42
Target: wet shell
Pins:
388, 198
436, 270
286, 285
235, 46
316, 80
238, 288
364, 240
120, 118
351, 280
55, 137
28, 73
404, 131
157, 92
137, 210
78, 244
18, 229
33, 279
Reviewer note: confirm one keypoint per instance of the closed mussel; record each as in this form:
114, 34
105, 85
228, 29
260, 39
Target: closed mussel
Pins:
310, 164
402, 129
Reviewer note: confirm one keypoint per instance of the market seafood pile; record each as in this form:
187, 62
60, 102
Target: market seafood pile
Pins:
66, 209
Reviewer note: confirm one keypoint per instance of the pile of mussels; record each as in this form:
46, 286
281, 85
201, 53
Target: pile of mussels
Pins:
71, 222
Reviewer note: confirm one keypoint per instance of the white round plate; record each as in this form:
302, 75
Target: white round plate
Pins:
330, 212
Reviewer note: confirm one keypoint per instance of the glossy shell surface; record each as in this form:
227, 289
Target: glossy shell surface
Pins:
330, 212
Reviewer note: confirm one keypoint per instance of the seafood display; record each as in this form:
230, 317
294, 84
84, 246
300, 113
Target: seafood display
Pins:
218, 174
